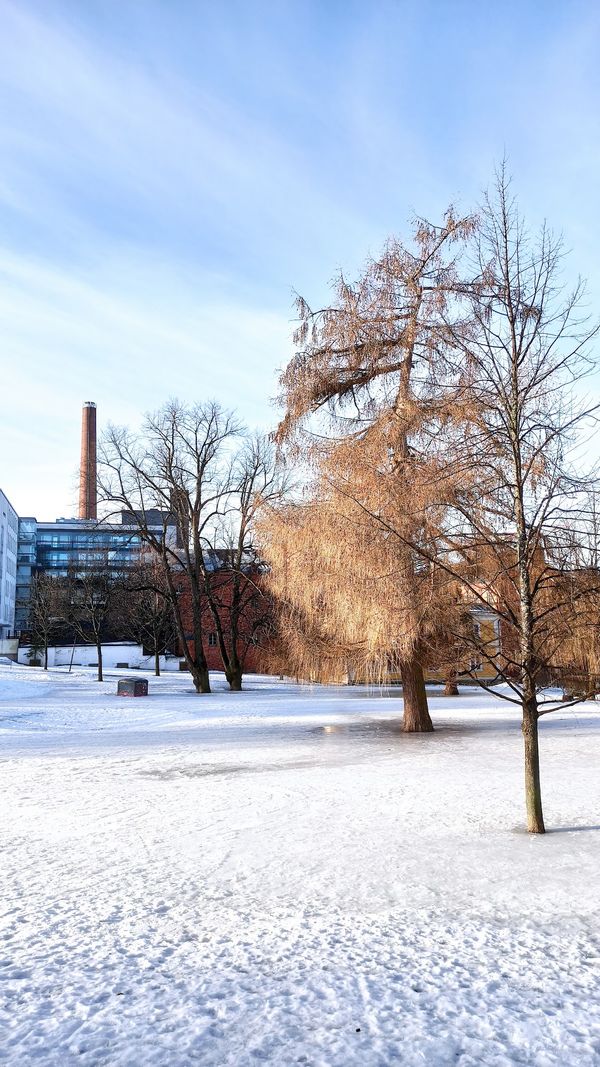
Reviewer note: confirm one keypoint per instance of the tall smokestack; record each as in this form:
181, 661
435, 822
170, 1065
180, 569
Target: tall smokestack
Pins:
87, 473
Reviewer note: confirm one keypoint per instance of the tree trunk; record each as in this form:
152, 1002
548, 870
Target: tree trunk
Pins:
157, 664
416, 713
234, 677
197, 665
200, 678
591, 687
100, 677
533, 793
198, 670
451, 688
46, 656
229, 660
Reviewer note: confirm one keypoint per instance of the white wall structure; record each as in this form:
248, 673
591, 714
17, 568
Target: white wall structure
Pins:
9, 530
126, 654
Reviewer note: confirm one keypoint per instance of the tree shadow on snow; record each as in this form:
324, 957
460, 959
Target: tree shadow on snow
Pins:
571, 829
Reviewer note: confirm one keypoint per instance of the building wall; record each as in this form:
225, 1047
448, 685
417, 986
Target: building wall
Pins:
251, 625
81, 544
478, 667
26, 564
9, 532
112, 655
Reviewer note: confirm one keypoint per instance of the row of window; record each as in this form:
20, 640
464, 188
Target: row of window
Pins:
52, 559
67, 540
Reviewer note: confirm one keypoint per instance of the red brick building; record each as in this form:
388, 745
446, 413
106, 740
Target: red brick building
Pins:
244, 611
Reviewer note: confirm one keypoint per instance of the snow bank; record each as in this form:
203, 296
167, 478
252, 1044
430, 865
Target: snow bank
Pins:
17, 684
281, 876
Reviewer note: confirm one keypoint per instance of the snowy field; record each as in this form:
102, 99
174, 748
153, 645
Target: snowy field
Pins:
280, 876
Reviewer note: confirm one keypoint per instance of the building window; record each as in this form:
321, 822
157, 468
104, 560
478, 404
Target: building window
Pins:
212, 640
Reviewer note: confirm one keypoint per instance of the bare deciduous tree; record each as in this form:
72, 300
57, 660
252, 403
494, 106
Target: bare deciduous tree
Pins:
92, 602
147, 611
238, 601
45, 607
196, 466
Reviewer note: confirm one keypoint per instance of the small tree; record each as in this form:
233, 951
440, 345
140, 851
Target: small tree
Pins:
238, 600
147, 611
44, 614
92, 599
527, 350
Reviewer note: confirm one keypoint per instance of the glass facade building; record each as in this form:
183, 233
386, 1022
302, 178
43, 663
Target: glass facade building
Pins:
62, 547
68, 545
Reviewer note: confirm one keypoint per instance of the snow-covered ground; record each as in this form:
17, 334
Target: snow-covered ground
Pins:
280, 876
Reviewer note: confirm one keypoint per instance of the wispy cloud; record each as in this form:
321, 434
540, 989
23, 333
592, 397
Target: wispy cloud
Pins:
94, 141
169, 172
66, 340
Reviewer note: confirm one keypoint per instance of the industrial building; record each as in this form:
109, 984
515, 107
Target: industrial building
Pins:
70, 544
80, 544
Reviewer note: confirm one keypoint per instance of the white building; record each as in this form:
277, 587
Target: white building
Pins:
9, 529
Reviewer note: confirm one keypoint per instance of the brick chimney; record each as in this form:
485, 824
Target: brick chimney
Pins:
87, 472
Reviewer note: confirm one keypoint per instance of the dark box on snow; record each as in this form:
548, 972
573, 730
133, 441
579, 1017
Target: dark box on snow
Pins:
132, 687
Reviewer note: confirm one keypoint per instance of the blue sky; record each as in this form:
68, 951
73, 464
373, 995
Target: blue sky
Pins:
171, 172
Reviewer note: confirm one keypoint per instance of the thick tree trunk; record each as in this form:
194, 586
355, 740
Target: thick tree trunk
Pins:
200, 679
197, 667
234, 677
416, 713
46, 656
157, 664
99, 649
196, 664
198, 671
229, 659
533, 793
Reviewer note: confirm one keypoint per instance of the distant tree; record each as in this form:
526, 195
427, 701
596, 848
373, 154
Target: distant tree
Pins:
236, 593
147, 615
573, 658
195, 464
576, 658
45, 607
92, 599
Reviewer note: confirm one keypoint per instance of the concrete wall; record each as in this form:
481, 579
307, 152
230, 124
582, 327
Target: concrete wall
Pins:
9, 647
86, 656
